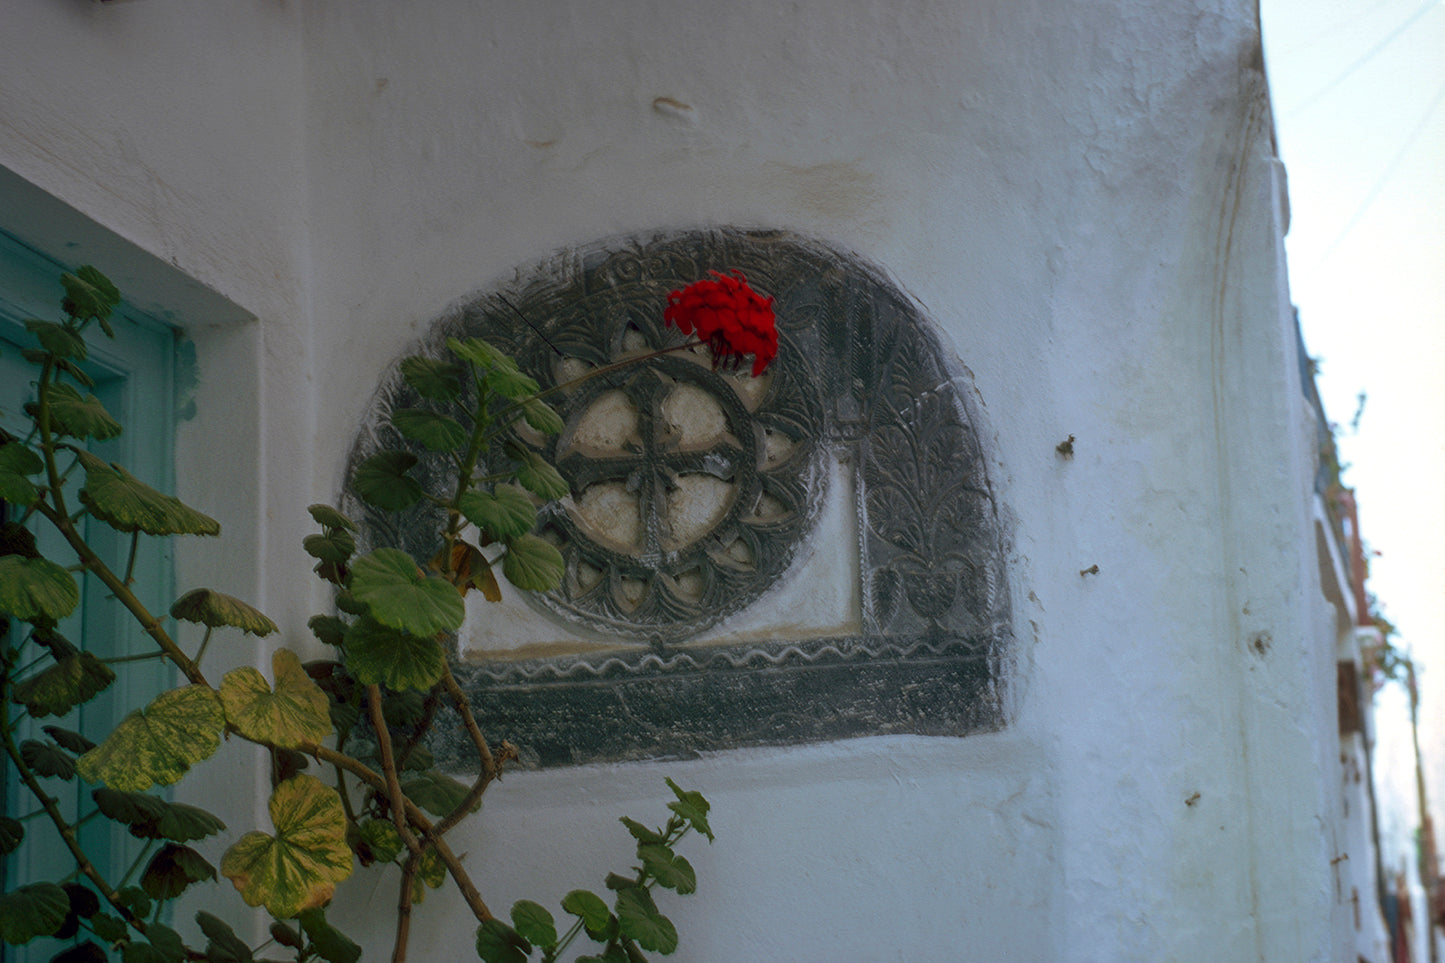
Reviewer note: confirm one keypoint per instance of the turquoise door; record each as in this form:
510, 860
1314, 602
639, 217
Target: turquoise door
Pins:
135, 379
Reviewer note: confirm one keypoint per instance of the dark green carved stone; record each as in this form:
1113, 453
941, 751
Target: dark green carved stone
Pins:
860, 379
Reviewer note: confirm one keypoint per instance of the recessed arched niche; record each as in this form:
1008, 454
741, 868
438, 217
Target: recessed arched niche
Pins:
815, 554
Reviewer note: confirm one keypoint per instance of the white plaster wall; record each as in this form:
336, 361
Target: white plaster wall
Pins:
1081, 193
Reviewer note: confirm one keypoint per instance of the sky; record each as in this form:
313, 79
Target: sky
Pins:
1358, 91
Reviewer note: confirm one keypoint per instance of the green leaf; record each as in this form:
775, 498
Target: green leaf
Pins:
509, 382
327, 628
642, 833
542, 416
382, 480
336, 548
161, 945
75, 372
71, 741
77, 415
613, 954
431, 873
400, 595
532, 563
433, 379
692, 807
403, 708
12, 834
216, 609
111, 929
326, 940
286, 935
89, 294
538, 476
382, 839
534, 923
505, 513
639, 919
30, 911
419, 758
377, 655
438, 794
224, 945
480, 353
16, 539
347, 603
150, 817
434, 431
172, 869
83, 903
158, 744
126, 504
134, 899
72, 681
17, 462
619, 882
328, 517
296, 712
590, 907
36, 588
299, 867
499, 943
47, 759
669, 869
87, 952
61, 340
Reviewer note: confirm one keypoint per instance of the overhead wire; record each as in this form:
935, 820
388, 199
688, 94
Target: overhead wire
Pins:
1389, 38
1383, 180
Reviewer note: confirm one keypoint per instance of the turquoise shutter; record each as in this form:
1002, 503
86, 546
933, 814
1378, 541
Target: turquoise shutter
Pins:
135, 377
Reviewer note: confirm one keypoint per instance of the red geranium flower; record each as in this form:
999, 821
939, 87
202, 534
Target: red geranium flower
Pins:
730, 316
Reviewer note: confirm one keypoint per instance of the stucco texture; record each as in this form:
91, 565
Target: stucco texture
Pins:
1083, 197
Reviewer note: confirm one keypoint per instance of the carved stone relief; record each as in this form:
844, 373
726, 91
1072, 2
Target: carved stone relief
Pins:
695, 500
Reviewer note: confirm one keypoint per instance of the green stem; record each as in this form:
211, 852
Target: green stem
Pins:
415, 816
388, 768
135, 863
130, 562
205, 641
403, 908
142, 657
122, 592
490, 769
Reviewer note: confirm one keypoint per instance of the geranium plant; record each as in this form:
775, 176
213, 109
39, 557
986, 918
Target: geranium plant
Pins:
352, 780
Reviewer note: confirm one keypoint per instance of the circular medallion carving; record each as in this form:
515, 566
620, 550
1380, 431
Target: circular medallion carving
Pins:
691, 487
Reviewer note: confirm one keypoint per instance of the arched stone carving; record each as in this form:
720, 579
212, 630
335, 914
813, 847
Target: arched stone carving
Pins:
695, 495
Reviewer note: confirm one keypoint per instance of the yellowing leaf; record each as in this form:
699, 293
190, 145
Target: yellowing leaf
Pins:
299, 867
296, 712
158, 744
72, 681
36, 588
215, 609
126, 504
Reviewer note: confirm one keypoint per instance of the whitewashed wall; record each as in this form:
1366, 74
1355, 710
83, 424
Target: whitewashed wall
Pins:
1081, 193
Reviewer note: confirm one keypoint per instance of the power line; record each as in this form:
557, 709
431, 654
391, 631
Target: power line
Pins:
1380, 183
1424, 8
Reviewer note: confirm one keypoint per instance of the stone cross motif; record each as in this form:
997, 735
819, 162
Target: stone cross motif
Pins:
691, 487
700, 498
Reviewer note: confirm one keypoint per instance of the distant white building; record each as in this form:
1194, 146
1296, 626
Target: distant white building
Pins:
1089, 710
